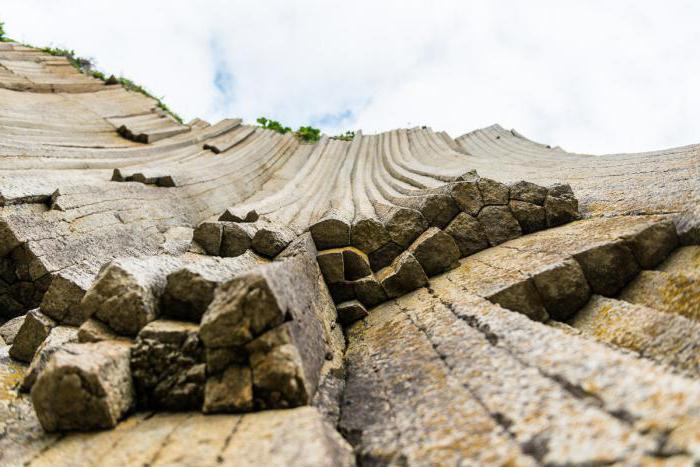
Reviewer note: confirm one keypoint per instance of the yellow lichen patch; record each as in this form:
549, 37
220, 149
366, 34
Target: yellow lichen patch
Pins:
11, 374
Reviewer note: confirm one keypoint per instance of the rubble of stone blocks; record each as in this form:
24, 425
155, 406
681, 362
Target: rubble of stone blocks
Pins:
374, 260
196, 332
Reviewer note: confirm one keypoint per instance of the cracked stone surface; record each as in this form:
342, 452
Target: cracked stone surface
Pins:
403, 298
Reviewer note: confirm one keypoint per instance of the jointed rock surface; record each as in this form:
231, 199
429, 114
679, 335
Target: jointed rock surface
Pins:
221, 294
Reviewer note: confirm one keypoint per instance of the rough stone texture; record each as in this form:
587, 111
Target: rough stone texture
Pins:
531, 217
468, 234
499, 224
560, 205
438, 376
493, 192
57, 338
167, 365
666, 338
369, 291
190, 289
35, 328
356, 264
404, 275
93, 330
231, 391
435, 251
9, 330
126, 293
237, 238
664, 291
608, 267
349, 312
234, 215
270, 239
332, 265
528, 192
84, 387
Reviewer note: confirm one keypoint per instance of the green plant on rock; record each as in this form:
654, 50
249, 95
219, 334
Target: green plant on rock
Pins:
273, 125
2, 33
308, 134
347, 136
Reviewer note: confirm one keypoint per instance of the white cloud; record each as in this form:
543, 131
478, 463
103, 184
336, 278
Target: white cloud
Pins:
594, 76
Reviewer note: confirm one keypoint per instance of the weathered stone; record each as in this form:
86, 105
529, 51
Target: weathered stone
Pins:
531, 217
435, 251
209, 235
369, 291
332, 265
384, 256
521, 297
528, 192
468, 197
237, 238
220, 358
668, 292
369, 235
126, 294
332, 231
229, 392
405, 225
652, 245
93, 330
35, 328
59, 336
404, 275
278, 379
468, 234
349, 312
190, 289
62, 300
342, 291
356, 264
236, 215
167, 365
563, 288
608, 267
560, 205
84, 387
499, 224
493, 192
438, 210
271, 239
9, 330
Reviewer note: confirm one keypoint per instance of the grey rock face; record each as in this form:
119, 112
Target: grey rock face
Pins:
560, 204
167, 365
528, 192
499, 224
230, 391
349, 312
270, 239
468, 197
93, 330
405, 225
62, 300
84, 387
57, 338
331, 232
563, 288
493, 192
126, 294
9, 330
190, 289
531, 217
369, 291
435, 251
209, 235
438, 210
332, 265
369, 235
468, 234
356, 264
34, 330
404, 275
237, 238
608, 267
384, 256
652, 245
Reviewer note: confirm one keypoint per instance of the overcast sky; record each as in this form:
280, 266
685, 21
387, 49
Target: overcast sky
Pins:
591, 76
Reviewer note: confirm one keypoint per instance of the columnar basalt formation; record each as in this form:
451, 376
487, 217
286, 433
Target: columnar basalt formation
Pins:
225, 294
